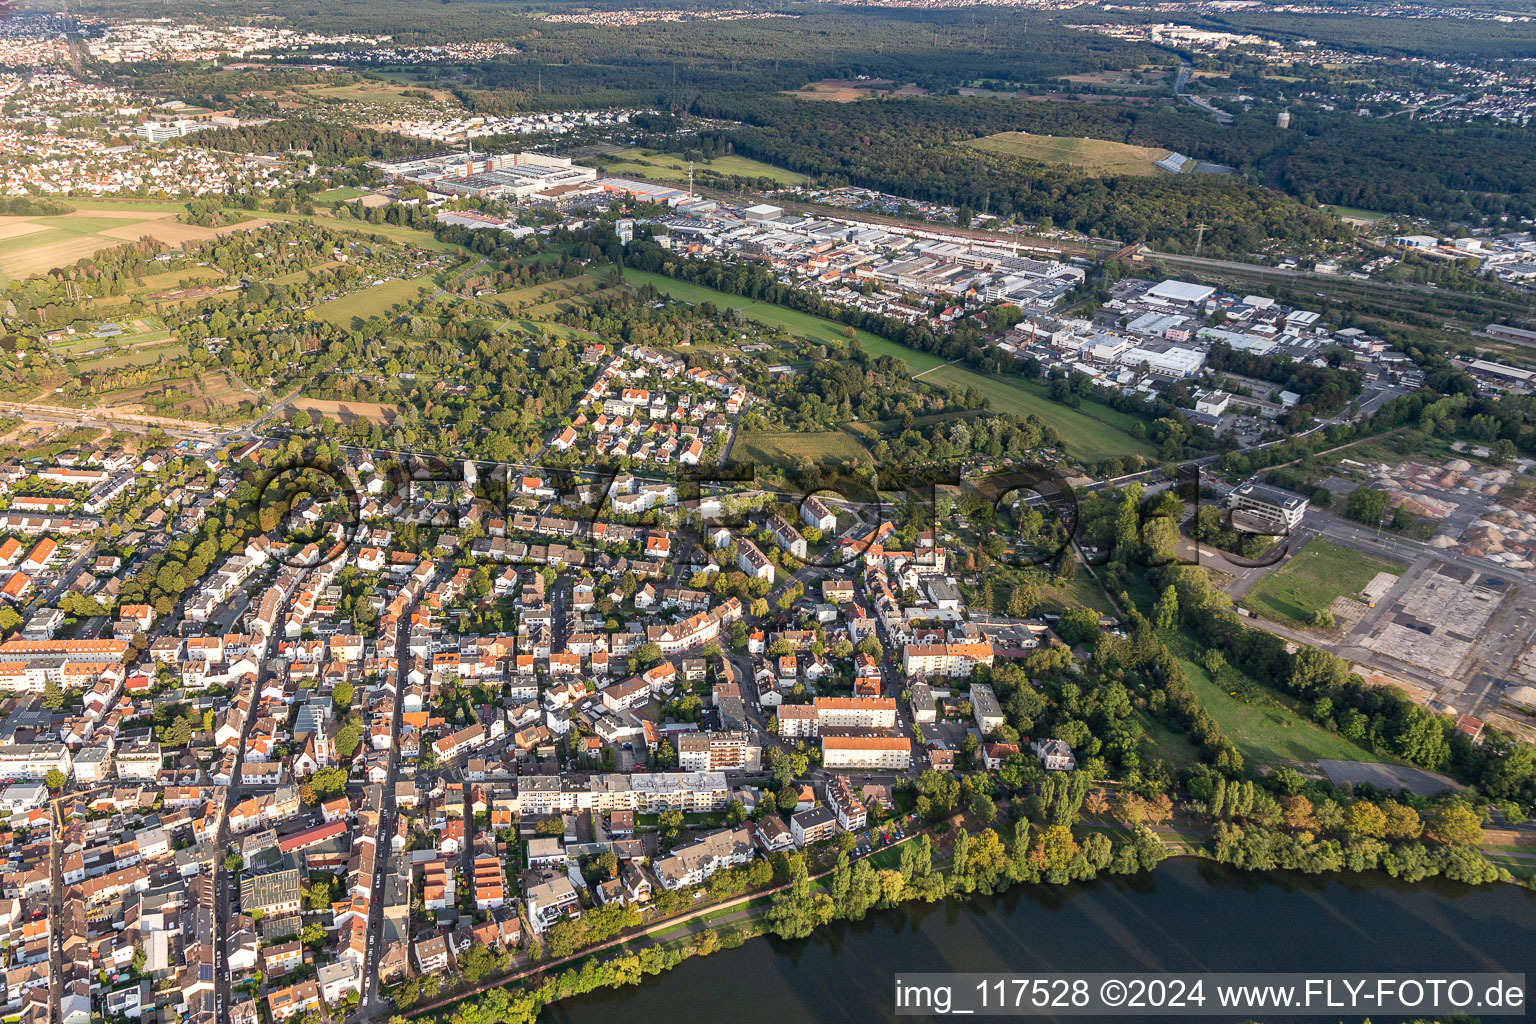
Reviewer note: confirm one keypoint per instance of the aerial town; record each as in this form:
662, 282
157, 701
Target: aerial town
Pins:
471, 538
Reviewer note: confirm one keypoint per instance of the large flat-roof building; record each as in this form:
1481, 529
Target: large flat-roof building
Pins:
1182, 292
1267, 508
510, 175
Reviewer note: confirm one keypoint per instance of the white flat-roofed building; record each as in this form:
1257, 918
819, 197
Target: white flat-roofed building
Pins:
762, 213
1164, 360
1267, 506
1181, 292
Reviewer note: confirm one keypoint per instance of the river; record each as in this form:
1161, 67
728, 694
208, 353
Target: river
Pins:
1188, 915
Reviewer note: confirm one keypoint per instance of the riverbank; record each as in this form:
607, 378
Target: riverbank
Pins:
1189, 914
665, 946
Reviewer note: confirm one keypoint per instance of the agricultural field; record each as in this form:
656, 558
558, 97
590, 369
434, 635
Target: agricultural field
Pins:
654, 166
1311, 579
343, 412
1092, 433
34, 245
375, 300
1095, 156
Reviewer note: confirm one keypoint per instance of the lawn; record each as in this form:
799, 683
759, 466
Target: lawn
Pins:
1091, 433
652, 165
1311, 579
1269, 732
375, 300
1096, 156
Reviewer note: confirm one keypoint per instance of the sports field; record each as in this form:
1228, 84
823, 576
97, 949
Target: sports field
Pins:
35, 245
1096, 156
1092, 433
1311, 579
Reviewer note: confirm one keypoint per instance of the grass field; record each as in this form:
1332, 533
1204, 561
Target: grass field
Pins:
1151, 77
34, 245
1266, 730
1095, 156
1162, 743
772, 449
654, 166
1092, 433
210, 396
1354, 213
1079, 592
375, 300
535, 295
363, 92
1309, 581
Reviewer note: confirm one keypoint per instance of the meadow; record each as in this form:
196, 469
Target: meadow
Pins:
775, 449
1095, 156
375, 300
1268, 731
656, 166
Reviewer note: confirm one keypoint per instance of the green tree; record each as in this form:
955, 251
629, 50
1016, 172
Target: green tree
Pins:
670, 825
347, 740
1456, 825
1165, 613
